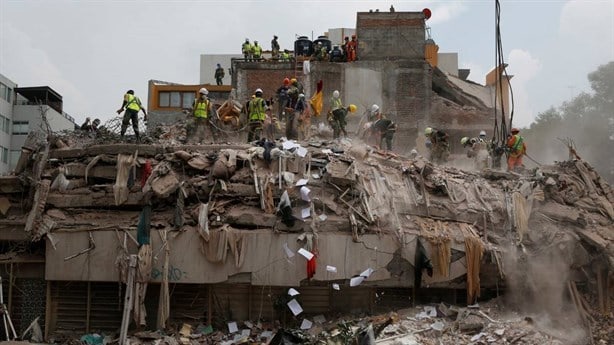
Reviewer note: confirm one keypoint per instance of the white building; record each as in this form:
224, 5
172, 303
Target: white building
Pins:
21, 110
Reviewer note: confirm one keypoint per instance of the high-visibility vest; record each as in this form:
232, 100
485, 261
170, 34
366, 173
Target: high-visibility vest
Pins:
201, 108
336, 103
132, 102
256, 109
247, 47
517, 148
257, 50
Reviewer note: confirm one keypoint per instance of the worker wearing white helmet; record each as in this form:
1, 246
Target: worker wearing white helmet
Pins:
375, 113
437, 142
247, 49
337, 114
257, 115
199, 128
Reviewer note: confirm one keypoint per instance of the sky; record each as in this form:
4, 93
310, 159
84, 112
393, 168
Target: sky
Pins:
92, 51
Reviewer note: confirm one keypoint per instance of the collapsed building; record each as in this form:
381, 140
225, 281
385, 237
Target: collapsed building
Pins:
98, 235
218, 233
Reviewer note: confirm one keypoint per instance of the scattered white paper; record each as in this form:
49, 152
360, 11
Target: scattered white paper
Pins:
288, 145
430, 311
232, 327
301, 151
307, 254
248, 324
336, 287
319, 319
246, 332
500, 331
288, 251
305, 193
438, 326
478, 336
306, 324
356, 281
266, 334
366, 273
323, 217
302, 182
474, 306
315, 176
331, 269
327, 151
306, 212
295, 307
293, 292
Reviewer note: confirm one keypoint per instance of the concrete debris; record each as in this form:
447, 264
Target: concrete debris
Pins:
359, 207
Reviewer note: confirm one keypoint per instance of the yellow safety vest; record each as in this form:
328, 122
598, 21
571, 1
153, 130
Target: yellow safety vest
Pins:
201, 108
256, 109
257, 51
336, 103
132, 102
246, 47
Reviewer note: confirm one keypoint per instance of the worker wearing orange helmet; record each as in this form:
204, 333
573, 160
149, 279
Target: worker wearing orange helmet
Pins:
283, 99
517, 148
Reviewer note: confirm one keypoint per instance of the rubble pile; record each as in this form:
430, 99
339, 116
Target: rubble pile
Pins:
546, 235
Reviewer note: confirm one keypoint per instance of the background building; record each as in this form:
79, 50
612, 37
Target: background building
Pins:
21, 110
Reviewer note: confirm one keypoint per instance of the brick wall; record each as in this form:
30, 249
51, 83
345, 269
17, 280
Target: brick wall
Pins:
386, 35
267, 76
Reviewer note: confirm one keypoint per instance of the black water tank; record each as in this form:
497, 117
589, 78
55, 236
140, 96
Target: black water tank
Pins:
325, 43
303, 46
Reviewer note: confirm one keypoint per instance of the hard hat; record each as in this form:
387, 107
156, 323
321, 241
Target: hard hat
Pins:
464, 140
293, 80
247, 40
336, 94
130, 92
482, 133
515, 130
96, 122
258, 91
274, 36
428, 131
301, 95
286, 81
203, 91
374, 108
87, 119
255, 42
352, 108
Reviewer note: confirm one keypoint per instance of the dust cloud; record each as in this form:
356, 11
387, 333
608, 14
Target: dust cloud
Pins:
537, 287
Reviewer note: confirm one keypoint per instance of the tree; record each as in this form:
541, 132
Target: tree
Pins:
587, 119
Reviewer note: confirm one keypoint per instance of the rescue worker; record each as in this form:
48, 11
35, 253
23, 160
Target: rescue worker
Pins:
298, 85
304, 120
200, 118
482, 136
345, 48
246, 48
385, 129
275, 48
283, 99
256, 51
132, 105
293, 117
257, 115
478, 150
374, 114
437, 142
285, 56
89, 126
337, 114
517, 148
219, 74
352, 47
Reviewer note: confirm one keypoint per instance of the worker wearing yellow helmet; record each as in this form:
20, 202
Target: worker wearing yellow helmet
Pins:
437, 143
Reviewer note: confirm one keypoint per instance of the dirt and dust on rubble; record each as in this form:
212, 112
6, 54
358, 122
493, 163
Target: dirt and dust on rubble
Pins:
548, 233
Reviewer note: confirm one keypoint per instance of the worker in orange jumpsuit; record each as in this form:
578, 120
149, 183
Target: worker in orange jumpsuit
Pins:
517, 148
351, 49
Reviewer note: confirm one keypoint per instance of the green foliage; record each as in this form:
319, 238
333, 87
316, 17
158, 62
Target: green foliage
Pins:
587, 119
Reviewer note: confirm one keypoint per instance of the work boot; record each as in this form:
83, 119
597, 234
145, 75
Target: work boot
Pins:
138, 137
